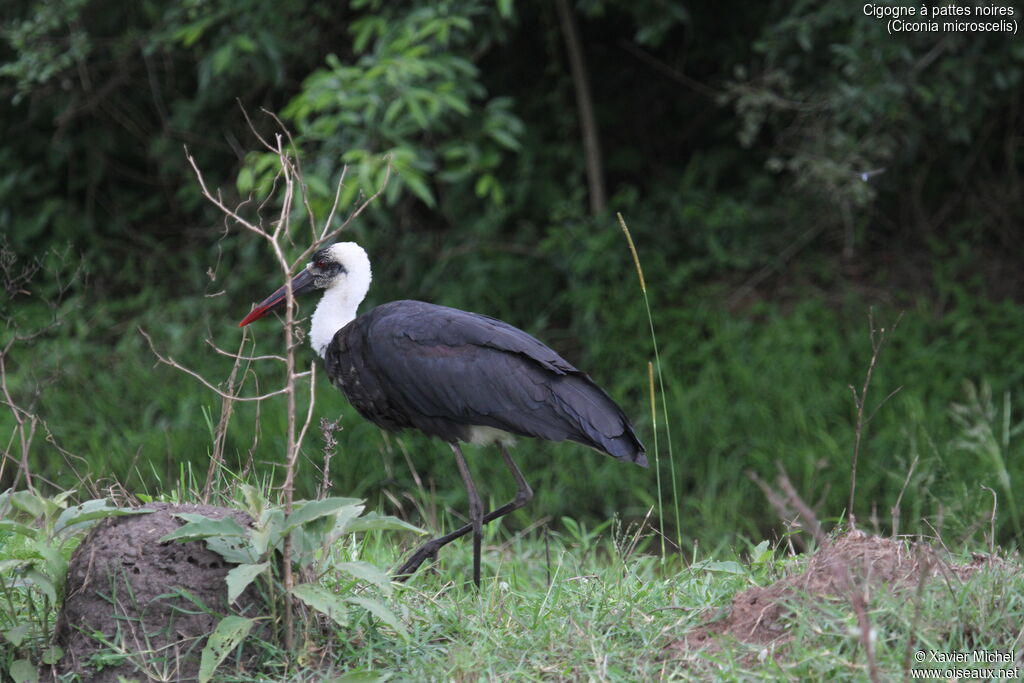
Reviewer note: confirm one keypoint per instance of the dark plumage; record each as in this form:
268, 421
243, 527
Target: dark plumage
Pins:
441, 371
452, 374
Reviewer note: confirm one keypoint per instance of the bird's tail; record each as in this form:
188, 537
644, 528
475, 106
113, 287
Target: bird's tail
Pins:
599, 422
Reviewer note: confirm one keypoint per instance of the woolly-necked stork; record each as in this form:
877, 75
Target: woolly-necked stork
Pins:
459, 376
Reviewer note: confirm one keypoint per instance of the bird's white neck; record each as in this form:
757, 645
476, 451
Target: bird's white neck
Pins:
334, 311
338, 306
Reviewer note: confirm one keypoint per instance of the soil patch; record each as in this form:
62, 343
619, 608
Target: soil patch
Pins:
128, 611
757, 615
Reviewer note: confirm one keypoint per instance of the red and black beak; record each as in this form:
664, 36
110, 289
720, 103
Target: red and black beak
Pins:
301, 283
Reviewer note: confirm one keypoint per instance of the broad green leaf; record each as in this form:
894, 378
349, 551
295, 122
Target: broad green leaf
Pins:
483, 185
505, 139
199, 527
8, 565
246, 180
342, 521
378, 610
366, 572
26, 501
416, 183
268, 532
323, 601
232, 549
245, 43
254, 501
53, 560
762, 552
222, 58
43, 582
16, 635
315, 509
241, 576
226, 537
52, 655
371, 521
22, 671
63, 496
17, 528
190, 33
231, 631
92, 510
306, 544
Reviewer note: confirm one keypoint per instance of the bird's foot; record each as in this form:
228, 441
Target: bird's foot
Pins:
428, 551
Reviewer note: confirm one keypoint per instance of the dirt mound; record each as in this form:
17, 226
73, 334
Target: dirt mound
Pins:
135, 606
757, 614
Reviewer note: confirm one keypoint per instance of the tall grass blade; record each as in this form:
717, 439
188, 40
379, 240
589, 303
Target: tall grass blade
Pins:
657, 462
664, 401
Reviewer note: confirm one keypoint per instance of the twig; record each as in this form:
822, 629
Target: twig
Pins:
895, 510
227, 406
670, 72
860, 608
166, 360
842, 574
924, 560
26, 434
238, 356
585, 106
327, 429
992, 522
877, 343
811, 522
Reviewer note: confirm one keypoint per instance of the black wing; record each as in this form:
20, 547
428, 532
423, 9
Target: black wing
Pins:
442, 370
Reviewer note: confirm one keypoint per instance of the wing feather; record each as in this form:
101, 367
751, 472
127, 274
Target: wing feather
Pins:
443, 370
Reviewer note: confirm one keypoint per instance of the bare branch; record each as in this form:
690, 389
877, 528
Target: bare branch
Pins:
312, 401
878, 338
253, 128
166, 360
220, 436
296, 171
216, 201
334, 204
356, 213
238, 356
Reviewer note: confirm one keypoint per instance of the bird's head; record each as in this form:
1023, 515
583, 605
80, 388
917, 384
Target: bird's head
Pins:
342, 267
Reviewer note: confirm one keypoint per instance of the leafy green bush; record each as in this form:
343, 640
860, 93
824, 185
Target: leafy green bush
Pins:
319, 532
37, 535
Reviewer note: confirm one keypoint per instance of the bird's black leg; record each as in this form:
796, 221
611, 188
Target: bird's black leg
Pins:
523, 491
476, 510
429, 549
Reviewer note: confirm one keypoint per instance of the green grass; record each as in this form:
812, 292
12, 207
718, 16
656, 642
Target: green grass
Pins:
609, 616
744, 392
610, 611
598, 603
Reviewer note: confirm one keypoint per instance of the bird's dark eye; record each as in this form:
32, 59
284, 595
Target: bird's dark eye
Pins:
321, 265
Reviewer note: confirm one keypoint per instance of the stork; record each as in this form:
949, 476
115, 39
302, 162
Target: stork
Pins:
452, 374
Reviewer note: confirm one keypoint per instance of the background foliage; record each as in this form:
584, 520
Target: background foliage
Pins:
734, 139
